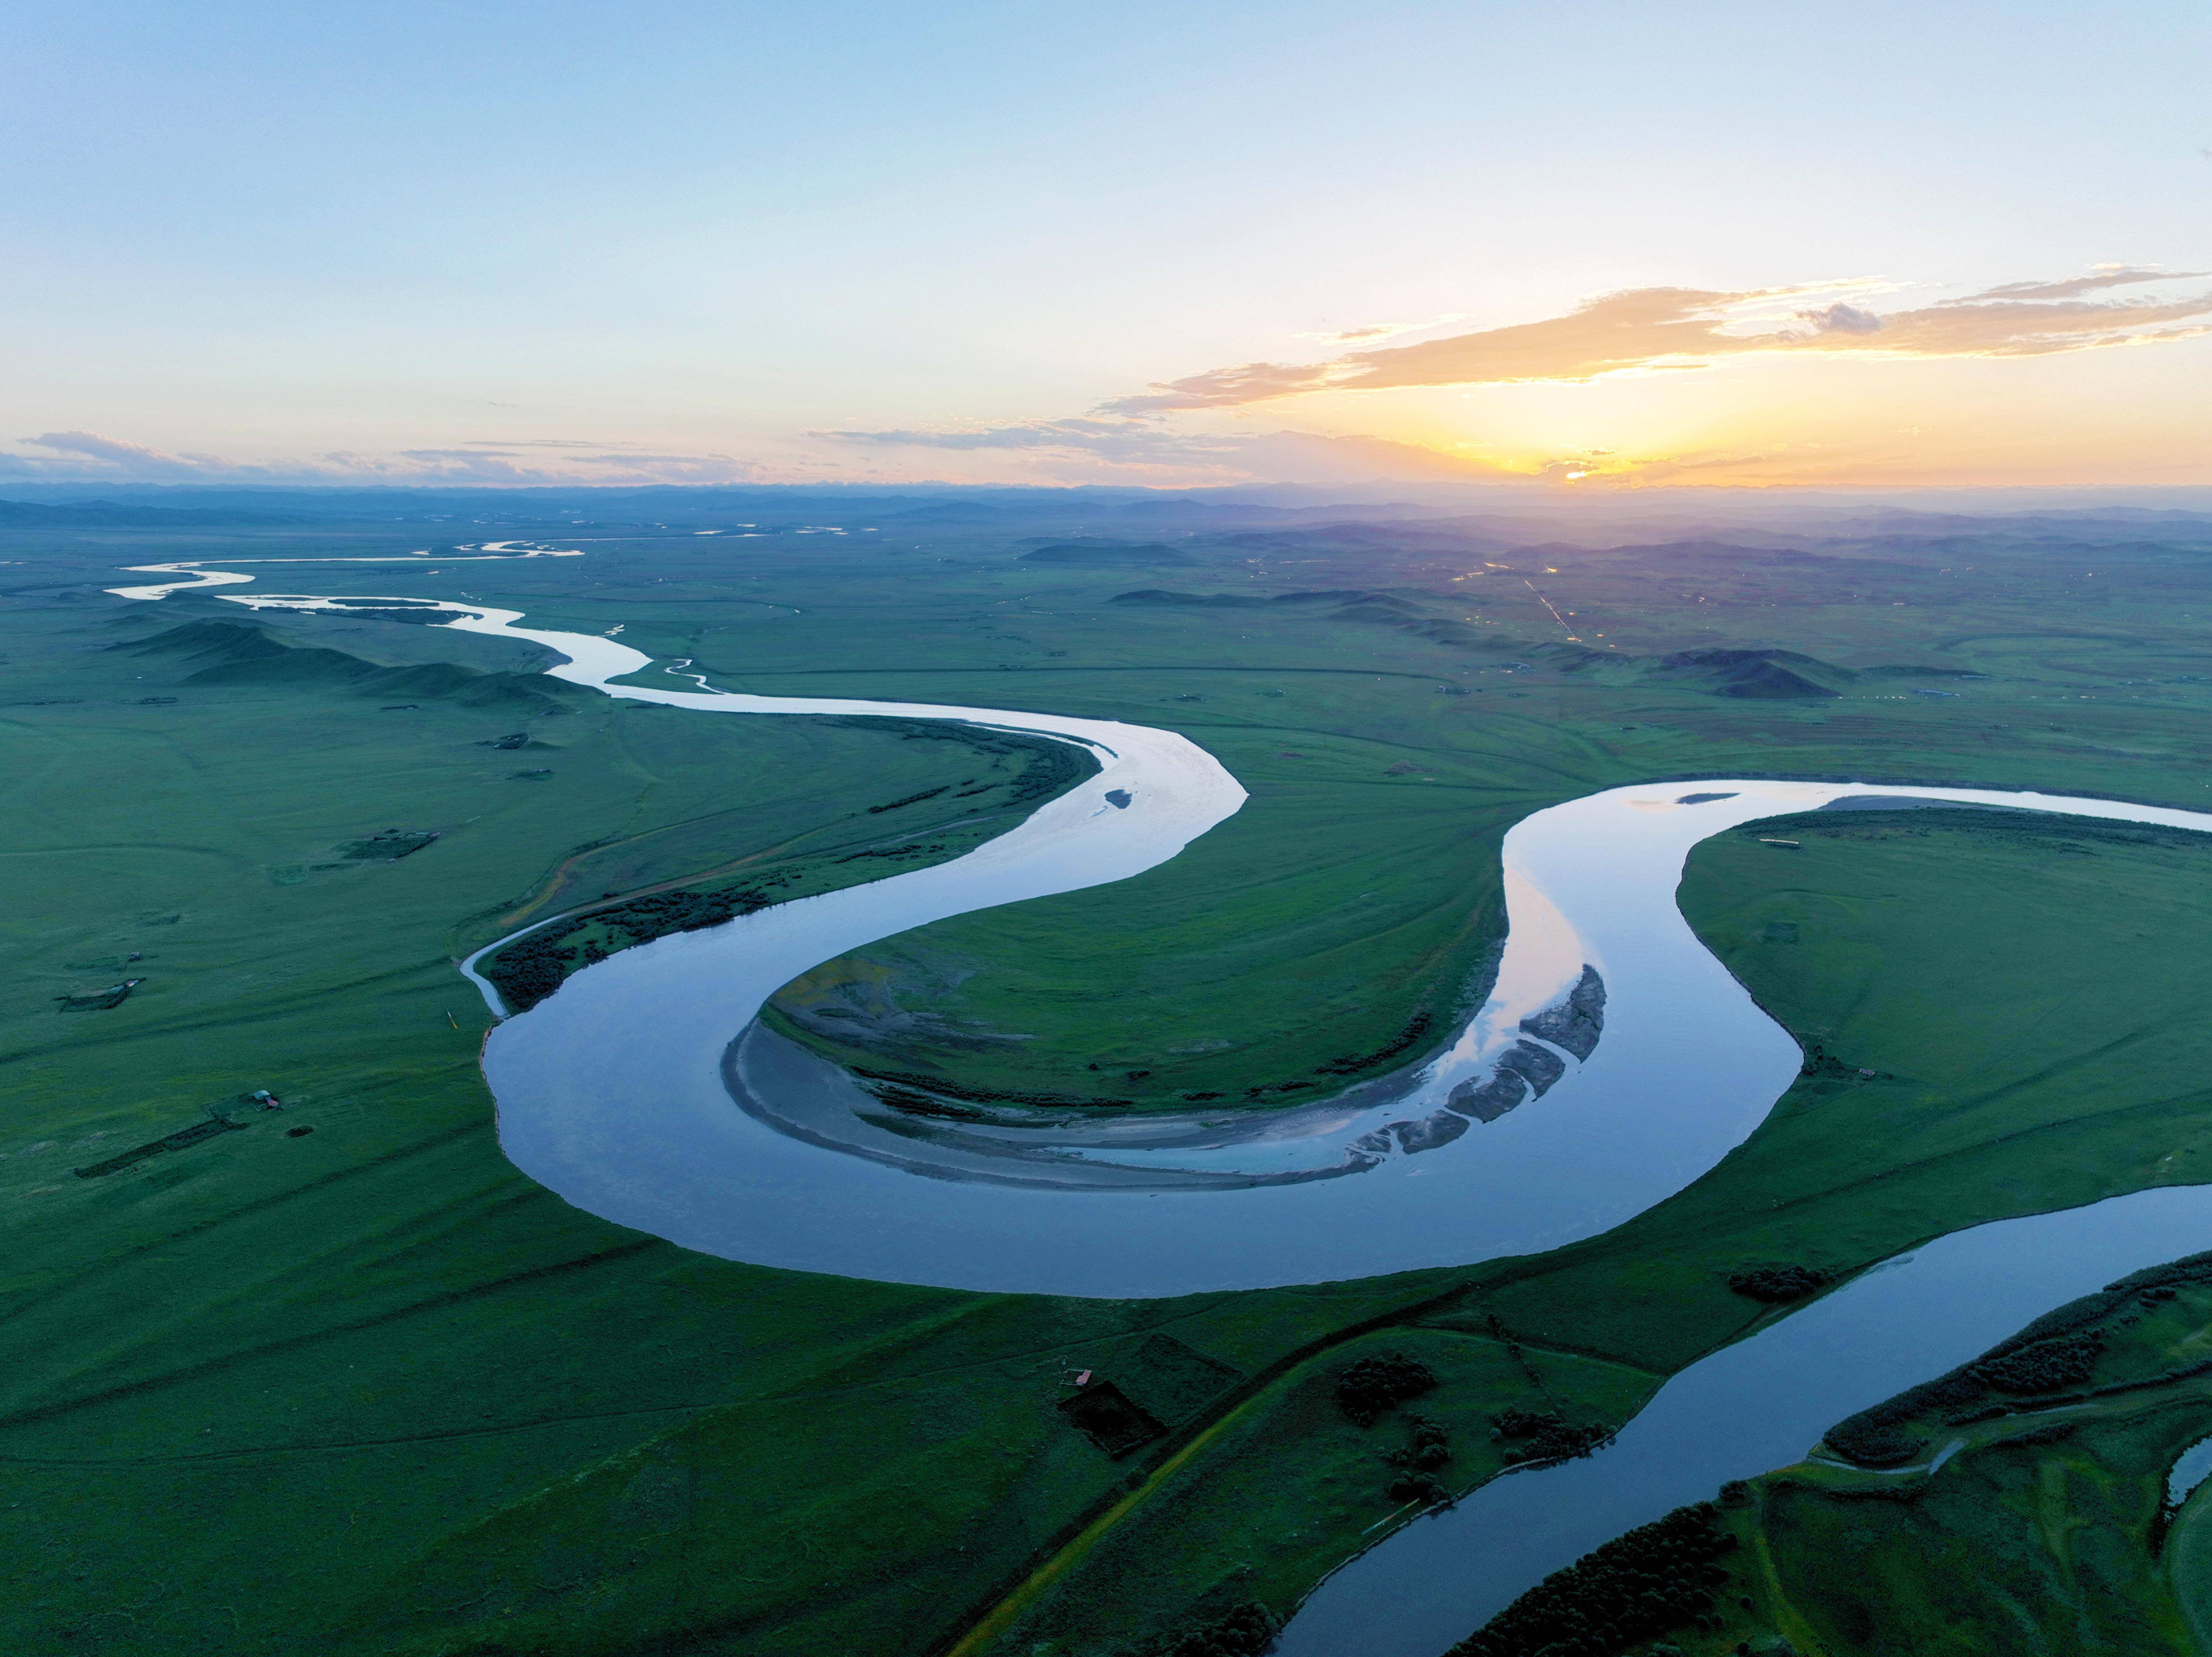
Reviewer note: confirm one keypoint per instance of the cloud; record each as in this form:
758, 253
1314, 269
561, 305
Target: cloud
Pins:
1130, 440
1646, 328
481, 462
2100, 276
1384, 330
544, 442
80, 456
1147, 448
1842, 318
115, 451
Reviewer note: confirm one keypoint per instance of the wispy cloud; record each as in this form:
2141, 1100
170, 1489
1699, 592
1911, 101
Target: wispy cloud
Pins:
134, 458
1375, 330
546, 442
2100, 276
1128, 438
1142, 447
1674, 327
80, 456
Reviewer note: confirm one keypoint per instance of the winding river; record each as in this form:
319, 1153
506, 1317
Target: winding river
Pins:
1759, 1404
1614, 1061
644, 1091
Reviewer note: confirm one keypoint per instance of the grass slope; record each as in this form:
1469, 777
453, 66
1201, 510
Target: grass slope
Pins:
2043, 1530
2030, 1055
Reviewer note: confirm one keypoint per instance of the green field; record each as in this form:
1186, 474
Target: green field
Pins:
2045, 1530
367, 1389
1912, 957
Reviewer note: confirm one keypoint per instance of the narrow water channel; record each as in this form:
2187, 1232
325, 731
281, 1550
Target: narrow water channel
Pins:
1749, 1408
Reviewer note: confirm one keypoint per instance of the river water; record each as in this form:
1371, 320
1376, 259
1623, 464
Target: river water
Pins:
613, 1091
617, 1093
1759, 1404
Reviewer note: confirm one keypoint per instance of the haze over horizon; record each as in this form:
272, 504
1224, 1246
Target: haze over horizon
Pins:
994, 245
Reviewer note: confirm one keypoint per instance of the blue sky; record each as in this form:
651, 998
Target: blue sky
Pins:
686, 241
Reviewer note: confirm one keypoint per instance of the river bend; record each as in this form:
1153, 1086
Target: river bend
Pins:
644, 1092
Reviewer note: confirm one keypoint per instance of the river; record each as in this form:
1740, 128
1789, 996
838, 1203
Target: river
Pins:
1759, 1404
621, 1092
644, 1092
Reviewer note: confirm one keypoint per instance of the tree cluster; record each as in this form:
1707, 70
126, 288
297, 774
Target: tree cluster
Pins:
1819, 1061
1047, 764
2045, 1367
1429, 1449
531, 968
1547, 1435
388, 845
1779, 1284
1048, 768
1874, 1437
1656, 1578
910, 799
1244, 1631
1372, 1385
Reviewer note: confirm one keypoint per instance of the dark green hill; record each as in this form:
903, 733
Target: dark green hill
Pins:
1164, 596
107, 514
1760, 673
231, 653
1105, 554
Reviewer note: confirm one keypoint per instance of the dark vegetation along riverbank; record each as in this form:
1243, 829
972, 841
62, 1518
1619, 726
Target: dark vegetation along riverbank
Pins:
2018, 1504
439, 1412
2026, 1501
1659, 1579
1011, 774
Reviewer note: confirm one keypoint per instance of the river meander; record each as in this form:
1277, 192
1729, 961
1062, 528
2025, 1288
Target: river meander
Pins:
645, 1092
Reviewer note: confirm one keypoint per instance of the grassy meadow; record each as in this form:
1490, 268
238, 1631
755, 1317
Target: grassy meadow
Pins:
1914, 956
367, 1390
2046, 1528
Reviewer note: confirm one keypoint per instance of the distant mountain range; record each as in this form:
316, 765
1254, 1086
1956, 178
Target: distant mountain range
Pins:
109, 514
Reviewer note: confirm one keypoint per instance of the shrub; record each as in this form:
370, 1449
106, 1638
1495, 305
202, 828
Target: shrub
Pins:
1369, 1386
2045, 1367
1429, 1449
1779, 1284
1655, 1579
1244, 1631
1551, 1436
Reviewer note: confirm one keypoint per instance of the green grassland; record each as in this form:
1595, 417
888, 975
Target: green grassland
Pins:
370, 1390
2045, 1530
1915, 956
1248, 968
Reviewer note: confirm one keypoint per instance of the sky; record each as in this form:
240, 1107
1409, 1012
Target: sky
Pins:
1599, 247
